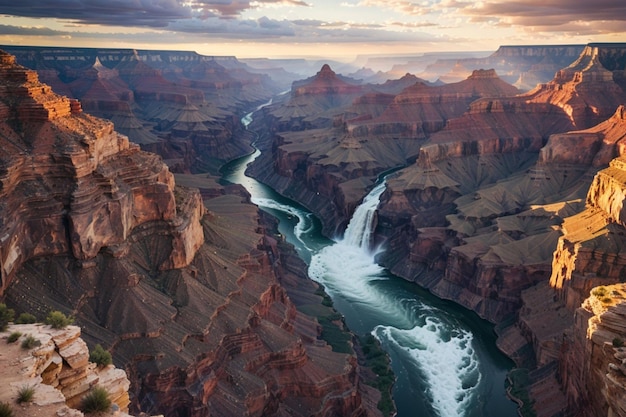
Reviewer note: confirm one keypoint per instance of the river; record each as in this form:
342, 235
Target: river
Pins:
444, 356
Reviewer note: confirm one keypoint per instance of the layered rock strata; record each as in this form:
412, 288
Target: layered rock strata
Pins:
58, 370
194, 304
181, 105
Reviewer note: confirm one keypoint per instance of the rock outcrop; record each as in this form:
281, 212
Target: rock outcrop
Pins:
181, 105
58, 370
193, 301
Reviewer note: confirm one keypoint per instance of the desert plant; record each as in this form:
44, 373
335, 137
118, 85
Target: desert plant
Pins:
30, 342
97, 401
6, 315
617, 342
25, 394
599, 292
5, 410
58, 320
26, 318
100, 356
13, 337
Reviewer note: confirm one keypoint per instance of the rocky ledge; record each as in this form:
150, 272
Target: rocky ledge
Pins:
58, 370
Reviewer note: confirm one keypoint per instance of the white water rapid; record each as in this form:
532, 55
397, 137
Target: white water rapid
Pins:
434, 354
440, 351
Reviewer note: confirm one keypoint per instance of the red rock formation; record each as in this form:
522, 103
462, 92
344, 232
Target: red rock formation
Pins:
194, 304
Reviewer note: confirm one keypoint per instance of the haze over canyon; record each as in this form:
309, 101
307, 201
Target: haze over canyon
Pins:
493, 181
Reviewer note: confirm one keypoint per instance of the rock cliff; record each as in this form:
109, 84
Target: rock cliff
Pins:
193, 301
503, 211
181, 105
59, 372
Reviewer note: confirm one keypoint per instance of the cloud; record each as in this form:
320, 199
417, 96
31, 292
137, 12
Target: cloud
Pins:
31, 31
548, 14
142, 13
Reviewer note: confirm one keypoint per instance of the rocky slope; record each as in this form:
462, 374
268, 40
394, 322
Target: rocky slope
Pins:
493, 193
181, 105
194, 302
329, 169
59, 372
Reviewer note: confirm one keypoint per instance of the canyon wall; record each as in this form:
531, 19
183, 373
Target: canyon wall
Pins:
482, 213
181, 105
192, 298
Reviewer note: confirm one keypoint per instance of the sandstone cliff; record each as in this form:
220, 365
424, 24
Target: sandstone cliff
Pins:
195, 303
58, 370
181, 105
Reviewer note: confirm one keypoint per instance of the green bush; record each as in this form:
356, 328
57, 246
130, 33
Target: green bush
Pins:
30, 342
25, 394
13, 337
26, 318
99, 356
618, 343
5, 410
6, 315
97, 401
58, 320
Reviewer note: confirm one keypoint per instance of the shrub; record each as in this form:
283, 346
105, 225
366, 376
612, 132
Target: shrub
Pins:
618, 343
13, 337
25, 394
99, 356
6, 315
97, 401
5, 410
26, 318
599, 292
58, 320
30, 342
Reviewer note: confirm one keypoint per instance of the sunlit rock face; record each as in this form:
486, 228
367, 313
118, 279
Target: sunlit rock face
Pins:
195, 304
59, 371
181, 105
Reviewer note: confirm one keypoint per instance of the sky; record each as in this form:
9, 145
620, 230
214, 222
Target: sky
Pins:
339, 29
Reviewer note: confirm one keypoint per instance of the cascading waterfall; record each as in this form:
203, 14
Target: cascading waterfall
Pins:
433, 352
436, 348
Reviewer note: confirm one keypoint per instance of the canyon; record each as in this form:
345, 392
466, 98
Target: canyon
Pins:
506, 199
496, 208
200, 302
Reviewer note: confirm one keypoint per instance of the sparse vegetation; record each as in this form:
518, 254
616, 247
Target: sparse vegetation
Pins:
26, 318
25, 394
599, 292
97, 401
58, 320
517, 387
30, 342
378, 361
5, 410
100, 356
617, 342
13, 337
6, 315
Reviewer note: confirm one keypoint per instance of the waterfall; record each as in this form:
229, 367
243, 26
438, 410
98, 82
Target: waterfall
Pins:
359, 230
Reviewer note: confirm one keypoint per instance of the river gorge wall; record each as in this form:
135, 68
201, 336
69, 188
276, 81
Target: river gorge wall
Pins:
482, 212
190, 289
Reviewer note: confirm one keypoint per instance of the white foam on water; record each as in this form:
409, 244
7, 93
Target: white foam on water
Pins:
446, 359
304, 224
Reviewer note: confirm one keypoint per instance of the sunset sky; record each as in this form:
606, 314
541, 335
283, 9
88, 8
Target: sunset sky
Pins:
320, 28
